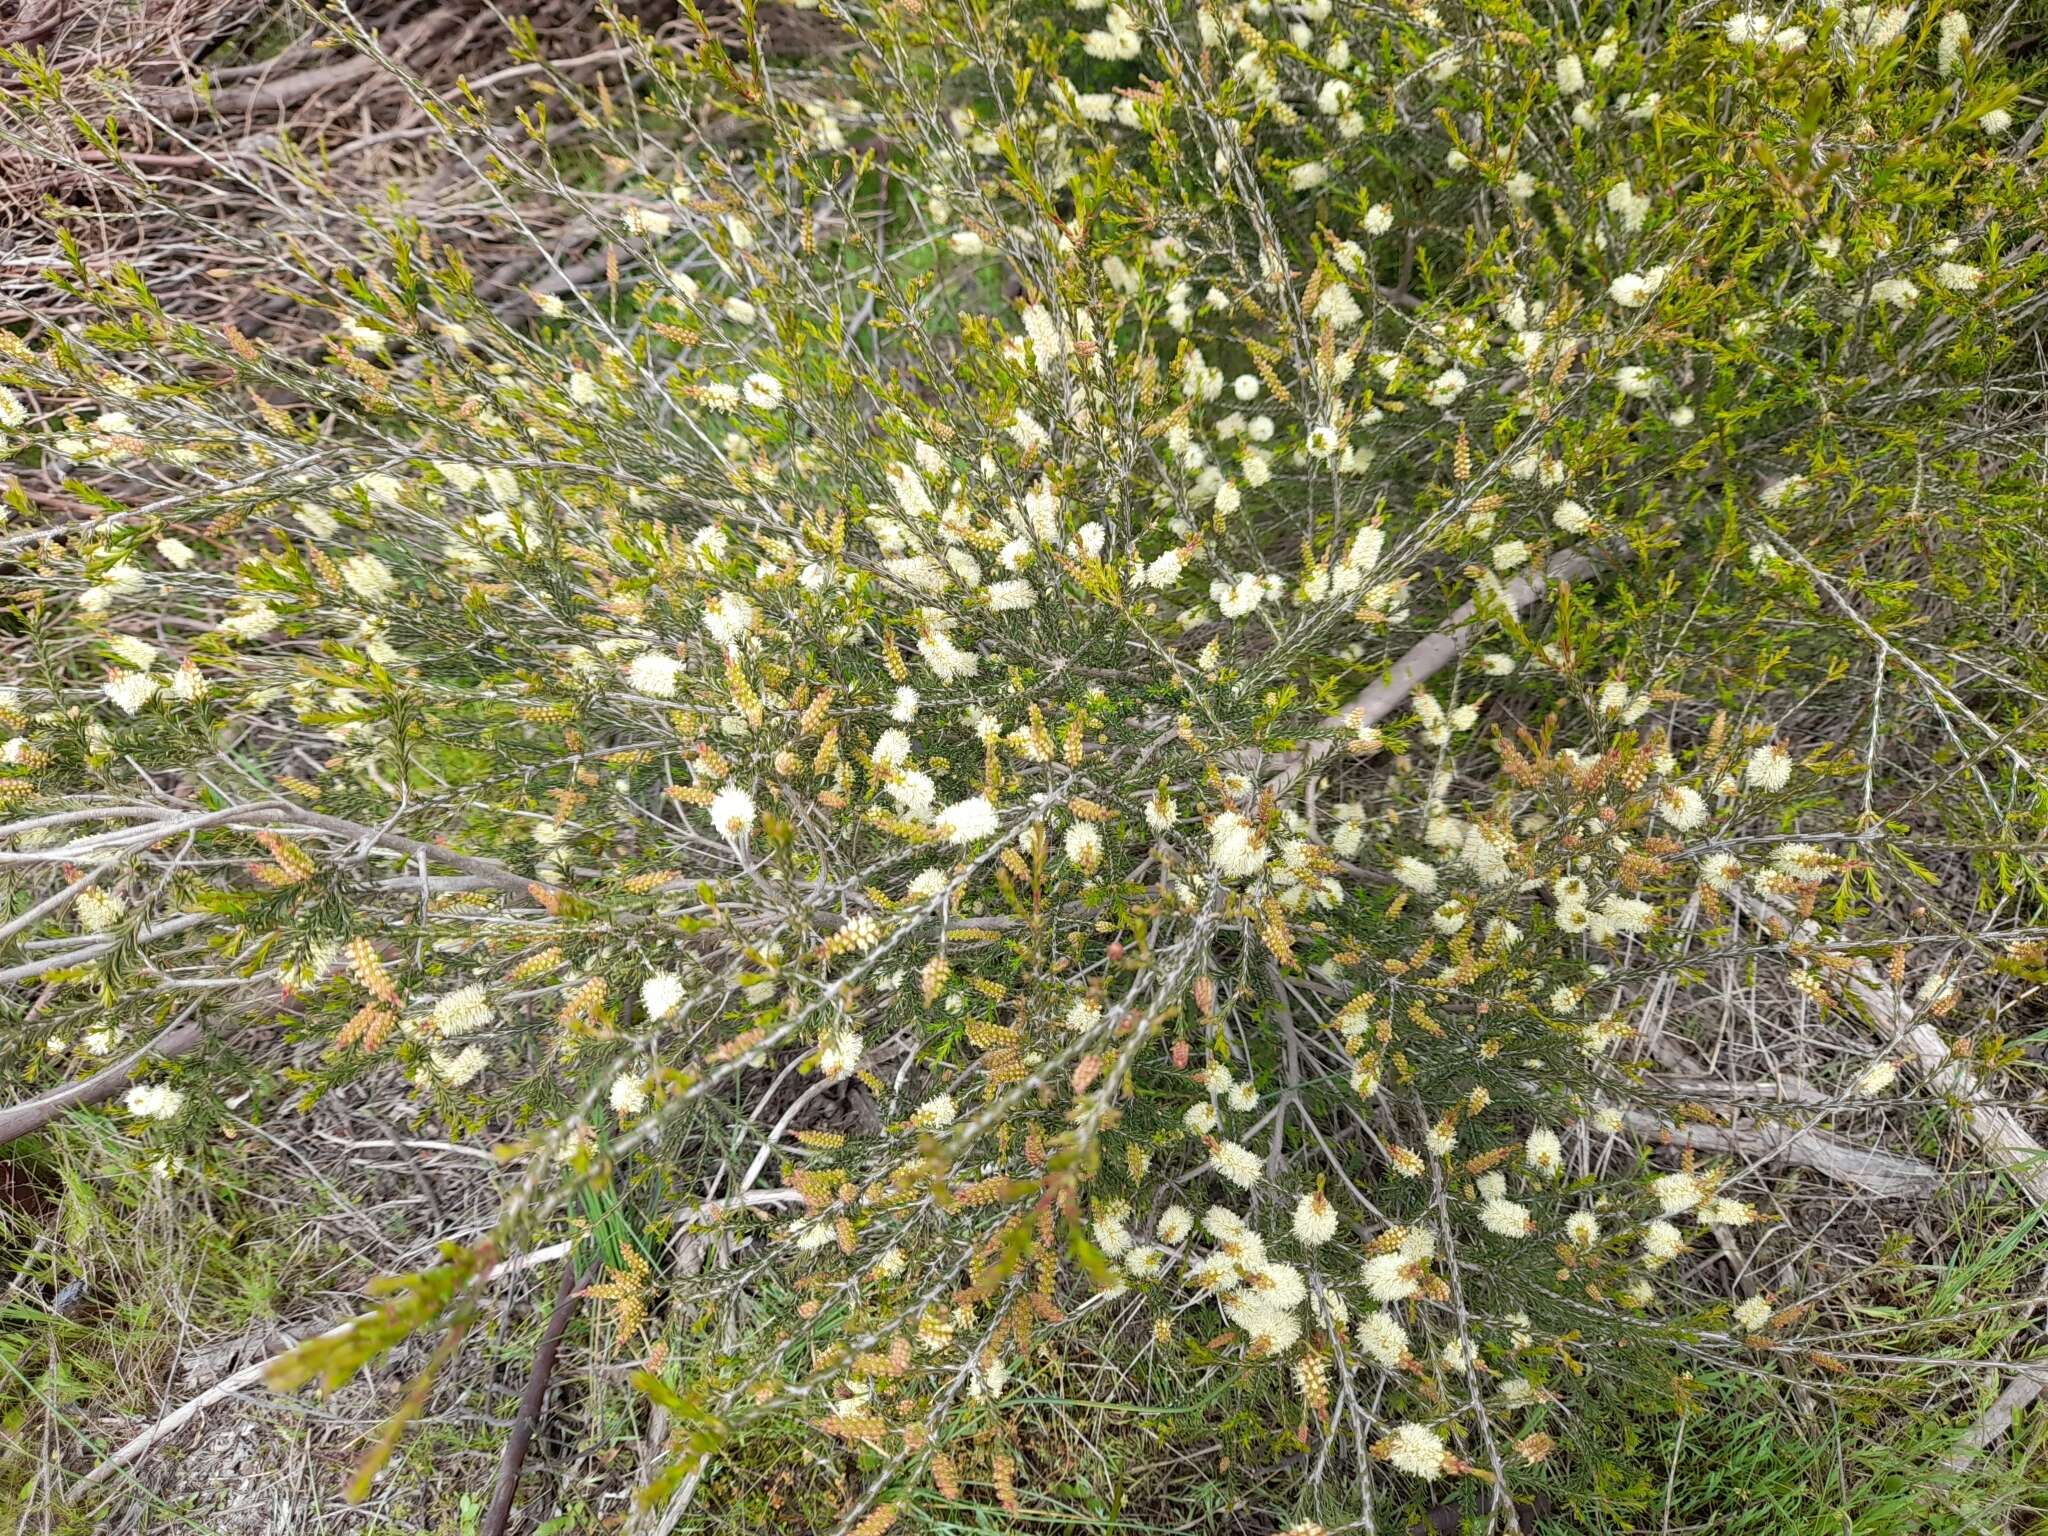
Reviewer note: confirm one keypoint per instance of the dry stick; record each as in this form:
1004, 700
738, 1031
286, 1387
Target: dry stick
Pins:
28, 970
514, 1459
27, 1118
46, 906
508, 880
250, 1375
1431, 654
1881, 1173
2029, 1384
1991, 1125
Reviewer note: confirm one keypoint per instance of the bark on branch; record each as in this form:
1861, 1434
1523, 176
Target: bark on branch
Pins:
27, 1118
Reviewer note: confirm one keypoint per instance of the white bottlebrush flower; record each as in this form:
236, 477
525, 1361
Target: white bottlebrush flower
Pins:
1753, 1313
188, 684
732, 813
1955, 32
368, 577
968, 821
1543, 1153
1417, 1450
914, 791
1721, 871
1635, 382
654, 674
1237, 595
1769, 768
1662, 1242
840, 1054
1027, 432
1161, 811
1746, 27
154, 1101
1506, 1218
1445, 387
936, 1113
1390, 1277
1240, 1165
459, 1067
1315, 1220
1628, 914
1958, 277
1632, 290
1877, 1077
1083, 845
1675, 1192
651, 223
1628, 205
133, 650
129, 691
1381, 1337
890, 752
1175, 1222
727, 617
628, 1094
1235, 848
1164, 571
1684, 807
1583, 1228
1339, 307
763, 391
660, 994
461, 1012
1724, 1212
949, 663
99, 910
1419, 877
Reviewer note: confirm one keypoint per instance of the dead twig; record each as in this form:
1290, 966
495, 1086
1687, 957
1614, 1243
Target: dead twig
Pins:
1995, 1128
250, 1375
514, 1458
1881, 1173
26, 1119
1431, 654
1991, 1425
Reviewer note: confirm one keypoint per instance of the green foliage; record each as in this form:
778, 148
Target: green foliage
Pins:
1064, 764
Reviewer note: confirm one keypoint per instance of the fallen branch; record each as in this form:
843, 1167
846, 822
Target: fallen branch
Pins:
1995, 1128
1882, 1173
2030, 1382
172, 822
1431, 654
250, 1375
530, 1402
26, 1119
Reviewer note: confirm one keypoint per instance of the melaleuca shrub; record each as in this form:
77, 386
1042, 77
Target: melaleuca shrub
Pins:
997, 733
